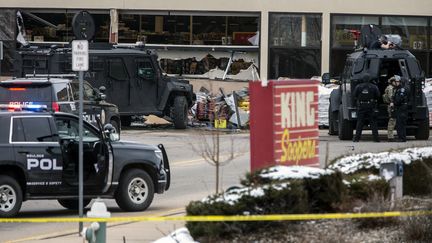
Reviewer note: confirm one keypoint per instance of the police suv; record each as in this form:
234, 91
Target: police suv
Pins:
60, 93
40, 161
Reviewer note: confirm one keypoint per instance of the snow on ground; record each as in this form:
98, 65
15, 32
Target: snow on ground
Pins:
346, 165
351, 164
232, 196
181, 235
293, 172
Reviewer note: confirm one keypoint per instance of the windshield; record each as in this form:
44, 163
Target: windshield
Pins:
69, 129
88, 93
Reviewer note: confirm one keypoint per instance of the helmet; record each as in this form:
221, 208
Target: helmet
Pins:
394, 78
383, 39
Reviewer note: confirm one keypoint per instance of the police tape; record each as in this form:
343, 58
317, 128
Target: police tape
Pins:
219, 218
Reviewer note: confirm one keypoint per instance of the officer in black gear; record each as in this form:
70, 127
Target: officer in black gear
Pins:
400, 101
366, 97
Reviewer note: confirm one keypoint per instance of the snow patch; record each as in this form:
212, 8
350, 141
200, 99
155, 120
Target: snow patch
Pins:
232, 196
294, 172
181, 235
353, 163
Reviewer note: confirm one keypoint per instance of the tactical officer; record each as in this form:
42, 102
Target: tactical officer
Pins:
400, 101
388, 99
366, 96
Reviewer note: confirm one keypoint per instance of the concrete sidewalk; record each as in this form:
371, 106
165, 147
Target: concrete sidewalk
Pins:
130, 232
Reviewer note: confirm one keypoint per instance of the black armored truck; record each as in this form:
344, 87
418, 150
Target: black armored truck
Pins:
40, 161
380, 64
131, 74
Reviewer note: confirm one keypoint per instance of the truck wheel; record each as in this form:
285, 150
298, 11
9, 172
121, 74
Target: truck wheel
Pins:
10, 196
135, 191
332, 116
345, 127
422, 132
73, 204
180, 112
115, 124
126, 121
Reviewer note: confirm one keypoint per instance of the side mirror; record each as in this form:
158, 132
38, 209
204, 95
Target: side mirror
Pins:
325, 79
114, 137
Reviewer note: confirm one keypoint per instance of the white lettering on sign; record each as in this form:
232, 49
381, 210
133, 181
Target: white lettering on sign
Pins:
43, 164
297, 109
80, 57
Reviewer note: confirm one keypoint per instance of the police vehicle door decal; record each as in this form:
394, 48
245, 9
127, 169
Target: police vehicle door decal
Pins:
37, 147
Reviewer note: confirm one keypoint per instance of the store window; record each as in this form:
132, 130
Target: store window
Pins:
295, 30
295, 45
56, 25
413, 30
190, 29
186, 29
343, 27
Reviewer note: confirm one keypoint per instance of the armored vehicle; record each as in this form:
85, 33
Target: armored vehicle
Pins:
380, 64
40, 161
132, 76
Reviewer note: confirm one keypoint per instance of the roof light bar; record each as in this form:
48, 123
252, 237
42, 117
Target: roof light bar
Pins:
27, 107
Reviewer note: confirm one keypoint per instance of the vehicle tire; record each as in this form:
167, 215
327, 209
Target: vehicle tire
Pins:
333, 127
126, 121
135, 191
422, 132
116, 125
10, 196
180, 112
345, 127
73, 204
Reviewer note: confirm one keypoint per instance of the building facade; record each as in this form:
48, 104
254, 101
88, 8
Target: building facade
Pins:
296, 39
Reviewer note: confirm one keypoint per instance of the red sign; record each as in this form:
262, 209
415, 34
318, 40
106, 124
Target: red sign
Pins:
284, 123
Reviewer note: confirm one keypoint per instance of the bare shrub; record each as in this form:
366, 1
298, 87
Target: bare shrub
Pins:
376, 203
417, 228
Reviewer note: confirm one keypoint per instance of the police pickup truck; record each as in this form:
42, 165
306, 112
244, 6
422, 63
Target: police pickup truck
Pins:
40, 161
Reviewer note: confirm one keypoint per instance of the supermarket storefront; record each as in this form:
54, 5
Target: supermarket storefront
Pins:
200, 40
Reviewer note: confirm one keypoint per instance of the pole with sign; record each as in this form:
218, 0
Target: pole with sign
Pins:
80, 60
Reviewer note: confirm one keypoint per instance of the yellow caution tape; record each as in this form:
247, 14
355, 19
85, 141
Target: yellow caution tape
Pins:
218, 218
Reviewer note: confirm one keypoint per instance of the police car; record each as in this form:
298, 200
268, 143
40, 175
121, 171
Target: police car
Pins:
40, 161
60, 93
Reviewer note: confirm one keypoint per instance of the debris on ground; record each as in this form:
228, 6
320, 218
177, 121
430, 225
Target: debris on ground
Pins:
221, 110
